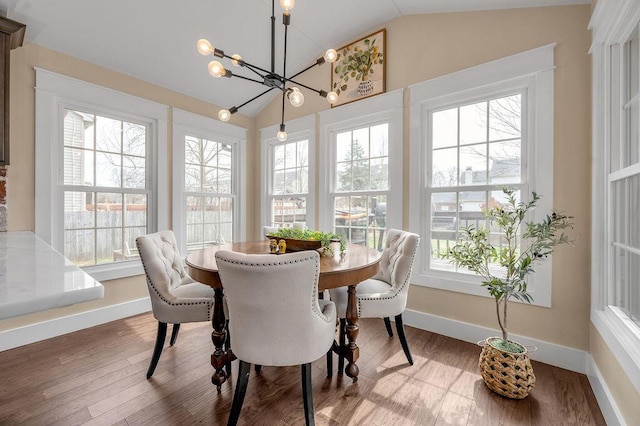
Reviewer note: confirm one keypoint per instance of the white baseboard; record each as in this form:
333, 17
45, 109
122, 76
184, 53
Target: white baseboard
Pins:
20, 336
608, 406
549, 353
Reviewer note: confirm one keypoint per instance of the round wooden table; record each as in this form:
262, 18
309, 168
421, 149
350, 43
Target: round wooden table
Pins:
356, 265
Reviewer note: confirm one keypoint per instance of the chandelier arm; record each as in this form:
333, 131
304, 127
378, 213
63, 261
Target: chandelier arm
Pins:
300, 84
254, 98
306, 69
248, 79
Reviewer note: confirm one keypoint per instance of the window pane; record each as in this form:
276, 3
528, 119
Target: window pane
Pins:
108, 241
78, 210
361, 143
473, 164
303, 181
78, 129
192, 178
134, 172
630, 156
136, 210
505, 118
445, 167
109, 210
78, 167
634, 211
278, 157
210, 183
225, 156
108, 135
191, 150
444, 216
210, 152
472, 206
134, 139
108, 169
379, 141
473, 123
79, 246
195, 210
343, 146
445, 128
344, 176
379, 173
505, 162
290, 155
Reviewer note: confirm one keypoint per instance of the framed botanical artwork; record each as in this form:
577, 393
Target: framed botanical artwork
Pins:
359, 71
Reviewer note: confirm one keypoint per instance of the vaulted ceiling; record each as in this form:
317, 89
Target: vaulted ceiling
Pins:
154, 40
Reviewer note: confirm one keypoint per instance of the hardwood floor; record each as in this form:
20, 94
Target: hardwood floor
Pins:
97, 377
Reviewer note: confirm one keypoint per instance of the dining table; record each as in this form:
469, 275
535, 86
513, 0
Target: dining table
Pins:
347, 269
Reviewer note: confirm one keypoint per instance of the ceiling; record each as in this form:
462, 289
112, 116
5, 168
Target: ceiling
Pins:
154, 40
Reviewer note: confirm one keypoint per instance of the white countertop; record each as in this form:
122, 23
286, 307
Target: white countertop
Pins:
34, 277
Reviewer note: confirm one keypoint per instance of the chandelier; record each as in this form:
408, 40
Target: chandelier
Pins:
269, 78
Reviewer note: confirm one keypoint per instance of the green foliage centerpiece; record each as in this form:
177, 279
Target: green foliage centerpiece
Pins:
325, 238
524, 245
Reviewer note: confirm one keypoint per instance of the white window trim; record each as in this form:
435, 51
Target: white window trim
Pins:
188, 123
54, 91
532, 69
298, 129
612, 23
387, 107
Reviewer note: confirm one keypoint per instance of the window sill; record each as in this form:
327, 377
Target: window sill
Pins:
115, 271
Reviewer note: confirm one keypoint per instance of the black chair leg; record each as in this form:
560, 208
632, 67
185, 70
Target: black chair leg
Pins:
258, 368
330, 362
343, 327
307, 396
160, 337
241, 389
227, 345
387, 323
174, 334
403, 338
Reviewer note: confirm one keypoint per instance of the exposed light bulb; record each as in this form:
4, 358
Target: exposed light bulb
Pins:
281, 136
330, 55
332, 97
224, 115
235, 59
296, 98
216, 69
287, 5
204, 47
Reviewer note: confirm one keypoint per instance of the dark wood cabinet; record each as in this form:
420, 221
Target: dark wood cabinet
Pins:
11, 36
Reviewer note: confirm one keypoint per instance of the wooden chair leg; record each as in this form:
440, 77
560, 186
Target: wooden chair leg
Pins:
241, 389
307, 396
343, 326
403, 338
174, 334
157, 350
387, 323
227, 345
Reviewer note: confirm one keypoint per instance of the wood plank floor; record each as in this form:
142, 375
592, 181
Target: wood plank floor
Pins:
97, 377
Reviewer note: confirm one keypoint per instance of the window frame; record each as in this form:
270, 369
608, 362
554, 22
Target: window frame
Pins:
387, 107
56, 92
297, 130
529, 72
613, 24
189, 124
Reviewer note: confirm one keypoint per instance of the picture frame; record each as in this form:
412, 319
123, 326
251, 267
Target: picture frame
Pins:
359, 71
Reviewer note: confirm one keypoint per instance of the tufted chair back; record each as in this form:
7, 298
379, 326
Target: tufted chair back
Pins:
275, 316
175, 297
397, 259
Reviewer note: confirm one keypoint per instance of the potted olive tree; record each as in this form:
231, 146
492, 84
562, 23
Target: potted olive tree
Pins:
504, 364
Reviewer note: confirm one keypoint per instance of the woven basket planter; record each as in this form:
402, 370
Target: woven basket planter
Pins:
506, 373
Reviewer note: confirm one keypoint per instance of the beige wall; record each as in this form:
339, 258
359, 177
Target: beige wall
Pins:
421, 47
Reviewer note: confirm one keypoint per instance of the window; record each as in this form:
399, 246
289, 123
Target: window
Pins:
361, 194
208, 184
473, 133
615, 277
106, 187
97, 184
289, 175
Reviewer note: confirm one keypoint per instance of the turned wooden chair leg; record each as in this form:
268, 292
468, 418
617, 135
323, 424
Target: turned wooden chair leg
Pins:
403, 338
227, 345
174, 334
241, 389
307, 395
160, 337
387, 323
343, 326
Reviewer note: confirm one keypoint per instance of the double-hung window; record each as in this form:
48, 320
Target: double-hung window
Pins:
615, 305
361, 189
99, 183
289, 175
475, 132
207, 181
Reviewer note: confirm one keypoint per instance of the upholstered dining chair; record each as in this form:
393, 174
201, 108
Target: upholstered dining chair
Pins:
385, 294
175, 297
275, 316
